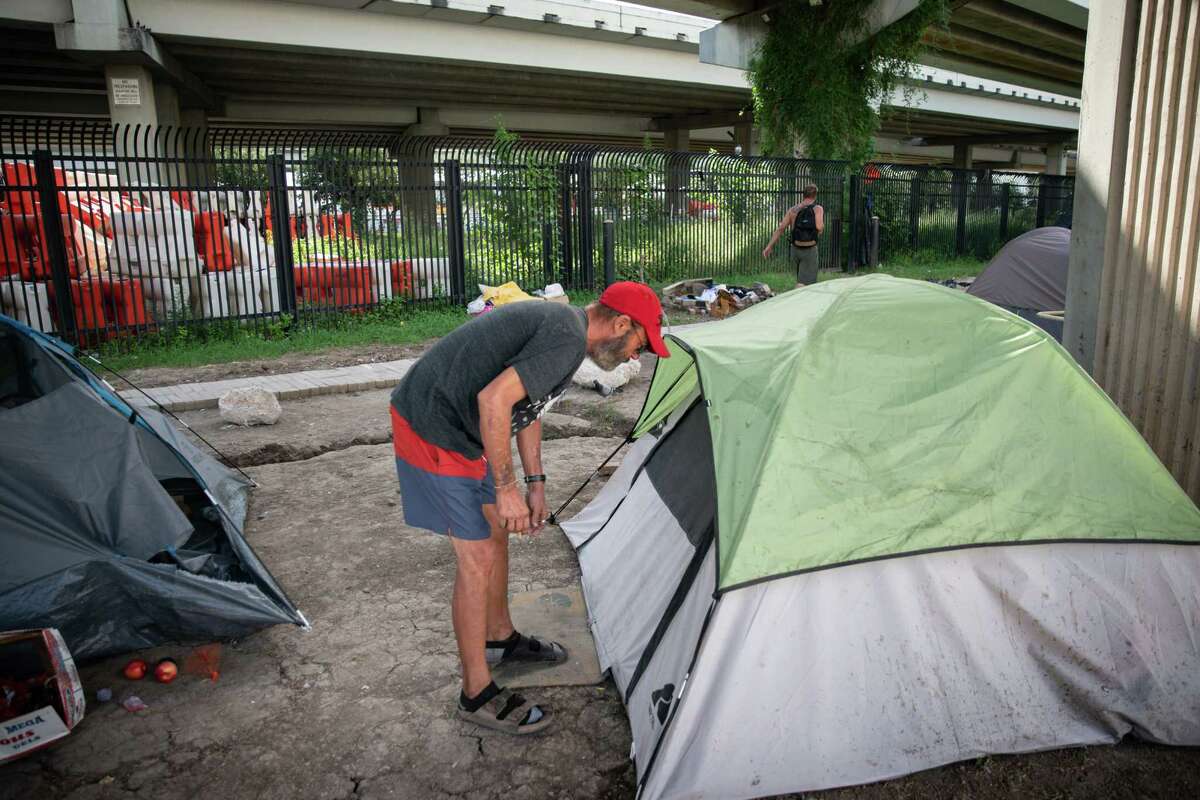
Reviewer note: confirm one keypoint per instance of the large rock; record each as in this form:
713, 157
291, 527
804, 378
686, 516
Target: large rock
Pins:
250, 405
592, 377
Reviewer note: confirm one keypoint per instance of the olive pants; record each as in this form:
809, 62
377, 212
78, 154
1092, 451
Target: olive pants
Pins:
805, 260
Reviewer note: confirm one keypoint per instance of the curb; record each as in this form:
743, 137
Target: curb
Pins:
289, 386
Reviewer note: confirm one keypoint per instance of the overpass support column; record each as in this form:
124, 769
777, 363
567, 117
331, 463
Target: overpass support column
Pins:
962, 156
417, 169
1133, 286
743, 137
138, 104
1056, 159
678, 170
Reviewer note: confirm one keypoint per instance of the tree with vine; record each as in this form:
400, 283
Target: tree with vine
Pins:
819, 77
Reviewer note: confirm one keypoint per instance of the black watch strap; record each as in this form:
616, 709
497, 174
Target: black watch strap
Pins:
535, 478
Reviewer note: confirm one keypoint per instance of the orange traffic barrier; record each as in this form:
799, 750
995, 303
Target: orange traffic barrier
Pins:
124, 301
212, 241
401, 278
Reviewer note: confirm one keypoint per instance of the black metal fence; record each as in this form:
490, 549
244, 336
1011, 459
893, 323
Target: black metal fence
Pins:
952, 212
158, 229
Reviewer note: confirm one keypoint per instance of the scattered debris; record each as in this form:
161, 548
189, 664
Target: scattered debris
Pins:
103, 695
250, 405
703, 296
41, 698
133, 704
204, 661
590, 376
492, 296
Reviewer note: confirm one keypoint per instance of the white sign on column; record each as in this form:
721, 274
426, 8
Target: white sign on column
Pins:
126, 92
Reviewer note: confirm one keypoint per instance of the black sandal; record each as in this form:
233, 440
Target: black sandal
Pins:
504, 711
520, 649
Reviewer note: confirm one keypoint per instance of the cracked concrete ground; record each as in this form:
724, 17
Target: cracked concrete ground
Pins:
362, 705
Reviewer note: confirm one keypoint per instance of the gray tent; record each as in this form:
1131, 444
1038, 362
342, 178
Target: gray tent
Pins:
1029, 275
115, 528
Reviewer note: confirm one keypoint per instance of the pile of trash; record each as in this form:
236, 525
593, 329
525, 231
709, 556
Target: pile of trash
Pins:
492, 296
704, 296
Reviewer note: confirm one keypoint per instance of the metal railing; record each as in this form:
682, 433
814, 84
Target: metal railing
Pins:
952, 212
158, 228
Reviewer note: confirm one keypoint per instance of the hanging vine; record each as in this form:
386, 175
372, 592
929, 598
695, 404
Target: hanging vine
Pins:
819, 79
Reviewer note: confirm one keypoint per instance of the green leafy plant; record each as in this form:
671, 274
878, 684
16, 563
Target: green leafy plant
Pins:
819, 76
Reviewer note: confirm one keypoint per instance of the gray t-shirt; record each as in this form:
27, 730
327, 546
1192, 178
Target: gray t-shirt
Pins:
544, 342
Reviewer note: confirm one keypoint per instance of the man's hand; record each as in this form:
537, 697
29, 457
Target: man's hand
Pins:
767, 251
536, 497
512, 509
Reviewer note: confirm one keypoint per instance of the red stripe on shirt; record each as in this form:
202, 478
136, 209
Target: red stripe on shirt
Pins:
429, 457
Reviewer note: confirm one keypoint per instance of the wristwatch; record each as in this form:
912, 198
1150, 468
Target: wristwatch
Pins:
535, 478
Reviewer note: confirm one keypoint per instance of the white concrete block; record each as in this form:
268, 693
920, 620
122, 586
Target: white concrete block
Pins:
27, 302
381, 281
431, 277
214, 296
169, 299
267, 283
243, 293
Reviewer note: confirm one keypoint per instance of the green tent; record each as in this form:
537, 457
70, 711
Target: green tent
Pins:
821, 482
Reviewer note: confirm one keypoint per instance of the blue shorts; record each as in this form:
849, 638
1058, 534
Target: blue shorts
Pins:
440, 490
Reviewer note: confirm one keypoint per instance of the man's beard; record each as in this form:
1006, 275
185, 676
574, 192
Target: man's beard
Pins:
610, 353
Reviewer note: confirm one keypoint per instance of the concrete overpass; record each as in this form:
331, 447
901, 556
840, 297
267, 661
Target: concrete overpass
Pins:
568, 68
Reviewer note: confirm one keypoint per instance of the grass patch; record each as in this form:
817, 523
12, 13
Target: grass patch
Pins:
398, 323
931, 268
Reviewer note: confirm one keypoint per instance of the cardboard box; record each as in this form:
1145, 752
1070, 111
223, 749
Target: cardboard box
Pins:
41, 698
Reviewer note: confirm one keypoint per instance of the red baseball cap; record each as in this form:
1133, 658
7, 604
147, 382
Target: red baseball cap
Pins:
639, 302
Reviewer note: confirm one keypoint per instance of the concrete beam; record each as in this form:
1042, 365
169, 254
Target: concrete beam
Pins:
1038, 137
326, 30
733, 42
958, 101
101, 34
45, 12
711, 119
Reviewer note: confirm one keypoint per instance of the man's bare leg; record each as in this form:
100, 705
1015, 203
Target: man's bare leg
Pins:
469, 609
499, 622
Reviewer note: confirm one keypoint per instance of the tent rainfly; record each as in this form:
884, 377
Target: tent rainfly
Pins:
874, 526
116, 529
1028, 276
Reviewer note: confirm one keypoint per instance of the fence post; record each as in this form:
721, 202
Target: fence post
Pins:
960, 223
587, 230
565, 224
610, 266
547, 253
1004, 199
455, 237
914, 212
873, 244
54, 246
285, 273
1041, 204
854, 259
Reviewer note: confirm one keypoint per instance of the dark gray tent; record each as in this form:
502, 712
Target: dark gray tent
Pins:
1029, 275
115, 529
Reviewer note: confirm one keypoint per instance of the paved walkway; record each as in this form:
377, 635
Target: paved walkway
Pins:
290, 386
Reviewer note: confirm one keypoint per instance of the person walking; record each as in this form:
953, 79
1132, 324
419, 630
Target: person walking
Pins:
806, 222
453, 418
